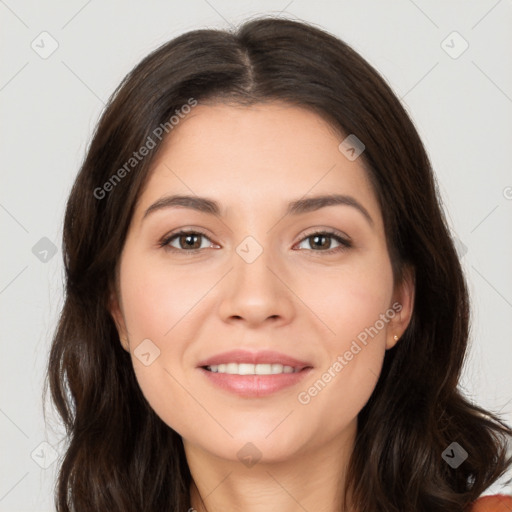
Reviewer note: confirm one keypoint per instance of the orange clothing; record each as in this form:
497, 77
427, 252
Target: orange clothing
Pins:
494, 503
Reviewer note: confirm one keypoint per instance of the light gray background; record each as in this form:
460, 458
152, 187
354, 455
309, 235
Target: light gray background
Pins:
462, 108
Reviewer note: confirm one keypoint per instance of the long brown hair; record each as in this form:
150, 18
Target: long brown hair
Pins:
121, 456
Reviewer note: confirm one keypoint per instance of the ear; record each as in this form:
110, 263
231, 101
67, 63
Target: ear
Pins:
115, 311
403, 306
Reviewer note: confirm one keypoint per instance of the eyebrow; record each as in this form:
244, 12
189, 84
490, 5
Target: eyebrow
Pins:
298, 207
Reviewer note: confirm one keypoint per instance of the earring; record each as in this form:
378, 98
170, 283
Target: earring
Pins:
395, 337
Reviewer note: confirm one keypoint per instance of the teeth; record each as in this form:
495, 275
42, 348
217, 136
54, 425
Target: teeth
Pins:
251, 369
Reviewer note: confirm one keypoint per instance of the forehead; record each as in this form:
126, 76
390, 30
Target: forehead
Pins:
254, 157
265, 130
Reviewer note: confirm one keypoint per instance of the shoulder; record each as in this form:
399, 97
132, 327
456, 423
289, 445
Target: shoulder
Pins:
494, 503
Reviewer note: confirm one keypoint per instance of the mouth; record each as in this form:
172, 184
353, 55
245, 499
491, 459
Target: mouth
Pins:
253, 374
253, 369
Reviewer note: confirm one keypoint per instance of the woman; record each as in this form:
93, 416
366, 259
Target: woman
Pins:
264, 307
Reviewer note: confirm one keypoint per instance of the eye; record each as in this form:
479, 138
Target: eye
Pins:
319, 238
187, 241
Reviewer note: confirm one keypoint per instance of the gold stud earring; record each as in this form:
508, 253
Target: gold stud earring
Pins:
395, 337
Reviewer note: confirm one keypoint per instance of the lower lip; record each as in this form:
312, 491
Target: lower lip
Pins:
254, 386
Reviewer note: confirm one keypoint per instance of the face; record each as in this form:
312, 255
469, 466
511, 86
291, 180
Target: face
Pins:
313, 283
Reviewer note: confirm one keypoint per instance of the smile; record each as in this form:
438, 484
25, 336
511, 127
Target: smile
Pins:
252, 384
251, 369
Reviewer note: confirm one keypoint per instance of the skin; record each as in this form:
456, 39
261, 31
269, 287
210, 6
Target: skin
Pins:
294, 298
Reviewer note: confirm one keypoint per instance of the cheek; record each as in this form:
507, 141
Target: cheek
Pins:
155, 299
357, 311
162, 305
350, 299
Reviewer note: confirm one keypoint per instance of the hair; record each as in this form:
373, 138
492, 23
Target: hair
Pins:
114, 459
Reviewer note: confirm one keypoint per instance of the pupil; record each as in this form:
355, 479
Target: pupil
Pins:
188, 238
316, 237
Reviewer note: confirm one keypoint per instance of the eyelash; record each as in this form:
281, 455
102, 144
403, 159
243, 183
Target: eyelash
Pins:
344, 243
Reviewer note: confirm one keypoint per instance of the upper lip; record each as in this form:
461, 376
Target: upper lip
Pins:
261, 357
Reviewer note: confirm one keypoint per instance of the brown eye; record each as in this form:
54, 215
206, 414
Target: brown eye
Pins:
322, 242
187, 241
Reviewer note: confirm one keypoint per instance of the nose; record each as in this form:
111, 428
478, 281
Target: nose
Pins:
257, 291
